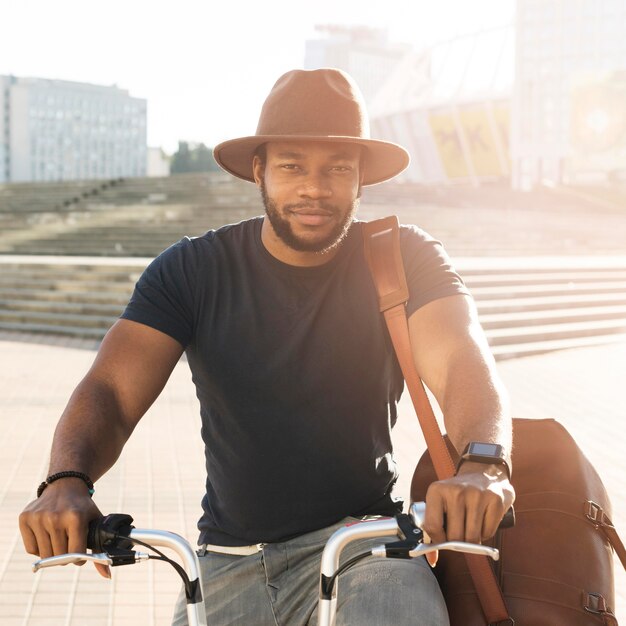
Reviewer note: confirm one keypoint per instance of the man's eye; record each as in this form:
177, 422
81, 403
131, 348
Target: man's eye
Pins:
342, 168
289, 166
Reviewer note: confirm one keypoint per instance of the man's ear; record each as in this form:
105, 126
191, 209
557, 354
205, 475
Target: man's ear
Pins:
258, 170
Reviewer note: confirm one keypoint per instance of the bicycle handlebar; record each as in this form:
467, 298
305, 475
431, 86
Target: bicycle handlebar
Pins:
111, 538
119, 553
386, 527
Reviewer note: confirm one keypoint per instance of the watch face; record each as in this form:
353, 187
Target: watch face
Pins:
487, 449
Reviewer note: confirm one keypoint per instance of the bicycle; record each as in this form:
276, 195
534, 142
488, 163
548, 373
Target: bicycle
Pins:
112, 537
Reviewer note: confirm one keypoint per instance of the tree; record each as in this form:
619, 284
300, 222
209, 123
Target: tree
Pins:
193, 157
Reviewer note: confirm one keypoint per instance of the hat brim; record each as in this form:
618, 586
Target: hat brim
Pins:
383, 159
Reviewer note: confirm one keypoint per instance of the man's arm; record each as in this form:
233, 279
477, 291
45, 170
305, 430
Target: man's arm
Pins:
454, 361
130, 370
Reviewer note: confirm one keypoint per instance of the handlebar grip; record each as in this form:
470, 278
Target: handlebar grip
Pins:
104, 532
508, 521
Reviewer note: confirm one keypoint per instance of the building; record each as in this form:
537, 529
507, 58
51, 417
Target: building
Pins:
365, 53
569, 100
158, 163
5, 163
449, 106
61, 130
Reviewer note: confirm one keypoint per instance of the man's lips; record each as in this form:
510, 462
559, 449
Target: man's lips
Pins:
312, 217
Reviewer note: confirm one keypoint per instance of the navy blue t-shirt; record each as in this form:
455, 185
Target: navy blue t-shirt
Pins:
295, 374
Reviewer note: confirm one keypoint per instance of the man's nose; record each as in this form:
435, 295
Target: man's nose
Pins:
315, 186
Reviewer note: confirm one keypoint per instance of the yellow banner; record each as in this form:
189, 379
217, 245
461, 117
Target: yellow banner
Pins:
481, 143
448, 144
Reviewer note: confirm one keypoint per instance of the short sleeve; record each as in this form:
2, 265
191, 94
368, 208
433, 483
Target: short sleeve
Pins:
428, 269
164, 295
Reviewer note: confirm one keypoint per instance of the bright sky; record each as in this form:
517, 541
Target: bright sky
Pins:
205, 66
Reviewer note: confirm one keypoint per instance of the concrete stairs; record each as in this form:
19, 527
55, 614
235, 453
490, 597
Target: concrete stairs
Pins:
141, 217
530, 306
75, 296
127, 217
526, 305
99, 236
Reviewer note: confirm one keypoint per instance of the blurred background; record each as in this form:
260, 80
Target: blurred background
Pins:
514, 113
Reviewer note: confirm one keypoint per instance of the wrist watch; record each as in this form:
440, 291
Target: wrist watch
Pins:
488, 453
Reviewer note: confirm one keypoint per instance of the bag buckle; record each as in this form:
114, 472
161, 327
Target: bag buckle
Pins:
596, 604
596, 515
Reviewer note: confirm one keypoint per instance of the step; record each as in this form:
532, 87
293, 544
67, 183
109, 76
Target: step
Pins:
62, 307
539, 264
76, 273
511, 351
555, 316
544, 332
547, 303
566, 276
128, 264
51, 329
93, 250
526, 291
87, 297
63, 285
58, 319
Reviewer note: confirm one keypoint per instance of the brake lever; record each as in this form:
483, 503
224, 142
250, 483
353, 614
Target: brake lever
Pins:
73, 557
456, 546
114, 558
407, 551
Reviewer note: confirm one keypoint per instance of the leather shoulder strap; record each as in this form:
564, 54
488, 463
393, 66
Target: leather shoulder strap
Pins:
382, 251
381, 239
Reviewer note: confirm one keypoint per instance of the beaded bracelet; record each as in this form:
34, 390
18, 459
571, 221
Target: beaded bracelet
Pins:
67, 474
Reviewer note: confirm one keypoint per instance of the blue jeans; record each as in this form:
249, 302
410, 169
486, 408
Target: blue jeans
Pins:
278, 586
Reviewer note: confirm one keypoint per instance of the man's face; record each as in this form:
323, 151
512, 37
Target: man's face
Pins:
310, 191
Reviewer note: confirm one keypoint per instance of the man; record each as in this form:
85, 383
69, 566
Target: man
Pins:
296, 378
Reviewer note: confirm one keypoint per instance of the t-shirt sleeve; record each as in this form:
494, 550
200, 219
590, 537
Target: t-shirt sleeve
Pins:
428, 269
164, 294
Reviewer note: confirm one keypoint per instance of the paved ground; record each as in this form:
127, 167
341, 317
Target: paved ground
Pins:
159, 478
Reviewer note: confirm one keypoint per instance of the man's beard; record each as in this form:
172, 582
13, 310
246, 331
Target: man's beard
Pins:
285, 233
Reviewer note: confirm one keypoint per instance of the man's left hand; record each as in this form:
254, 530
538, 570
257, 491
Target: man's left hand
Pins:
472, 503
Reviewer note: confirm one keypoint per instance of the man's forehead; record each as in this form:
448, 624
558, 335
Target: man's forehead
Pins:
304, 149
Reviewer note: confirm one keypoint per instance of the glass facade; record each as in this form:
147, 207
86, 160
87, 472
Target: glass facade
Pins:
69, 131
564, 48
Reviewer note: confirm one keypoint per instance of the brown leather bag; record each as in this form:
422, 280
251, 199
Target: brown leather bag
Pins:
556, 564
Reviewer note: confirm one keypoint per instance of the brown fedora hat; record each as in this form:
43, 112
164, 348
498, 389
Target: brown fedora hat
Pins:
314, 105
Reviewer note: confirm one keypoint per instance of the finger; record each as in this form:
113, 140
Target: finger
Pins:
76, 536
433, 517
28, 537
432, 558
58, 539
103, 570
492, 518
455, 523
44, 544
474, 520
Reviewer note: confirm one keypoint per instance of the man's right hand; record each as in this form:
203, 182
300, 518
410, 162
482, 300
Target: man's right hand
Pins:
133, 364
57, 522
